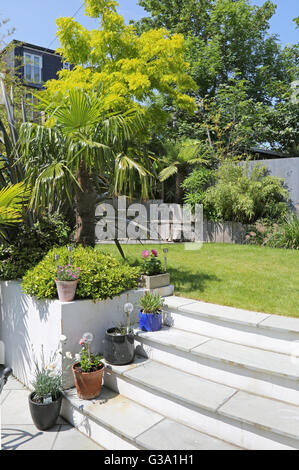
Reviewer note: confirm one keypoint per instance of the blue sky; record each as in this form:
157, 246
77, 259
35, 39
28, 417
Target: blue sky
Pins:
34, 20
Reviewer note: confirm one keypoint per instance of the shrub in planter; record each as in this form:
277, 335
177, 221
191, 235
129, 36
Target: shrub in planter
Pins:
45, 401
119, 341
66, 280
88, 370
101, 275
150, 316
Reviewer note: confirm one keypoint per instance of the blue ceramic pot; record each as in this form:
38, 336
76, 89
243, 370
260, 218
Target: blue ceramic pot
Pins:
150, 321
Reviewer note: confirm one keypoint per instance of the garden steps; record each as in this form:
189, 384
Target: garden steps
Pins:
246, 420
259, 330
256, 371
118, 423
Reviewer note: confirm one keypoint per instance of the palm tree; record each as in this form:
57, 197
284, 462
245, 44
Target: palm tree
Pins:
12, 199
78, 149
178, 159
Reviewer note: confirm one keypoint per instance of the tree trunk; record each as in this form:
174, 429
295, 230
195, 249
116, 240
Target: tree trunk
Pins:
179, 178
85, 208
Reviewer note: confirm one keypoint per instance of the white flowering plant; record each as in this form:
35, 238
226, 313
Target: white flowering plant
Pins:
47, 383
87, 361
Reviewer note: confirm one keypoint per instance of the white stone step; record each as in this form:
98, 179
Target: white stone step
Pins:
260, 372
270, 332
198, 403
118, 423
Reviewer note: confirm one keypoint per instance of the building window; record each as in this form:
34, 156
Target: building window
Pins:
31, 113
32, 68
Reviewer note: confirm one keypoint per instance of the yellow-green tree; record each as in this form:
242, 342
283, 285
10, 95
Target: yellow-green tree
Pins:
128, 68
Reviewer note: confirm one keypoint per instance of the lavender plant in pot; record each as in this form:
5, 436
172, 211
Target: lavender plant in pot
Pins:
46, 398
67, 278
119, 341
150, 315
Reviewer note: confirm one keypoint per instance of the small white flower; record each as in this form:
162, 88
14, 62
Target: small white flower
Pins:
88, 337
63, 338
68, 355
77, 357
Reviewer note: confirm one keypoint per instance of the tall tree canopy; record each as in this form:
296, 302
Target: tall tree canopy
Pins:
224, 37
231, 52
128, 67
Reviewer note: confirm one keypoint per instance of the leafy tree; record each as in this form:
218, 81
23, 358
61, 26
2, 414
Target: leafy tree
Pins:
223, 37
131, 69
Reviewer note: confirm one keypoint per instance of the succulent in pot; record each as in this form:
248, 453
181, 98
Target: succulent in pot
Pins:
46, 398
150, 315
87, 370
119, 346
67, 278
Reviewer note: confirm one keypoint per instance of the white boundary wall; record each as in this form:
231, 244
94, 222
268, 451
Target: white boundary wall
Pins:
27, 322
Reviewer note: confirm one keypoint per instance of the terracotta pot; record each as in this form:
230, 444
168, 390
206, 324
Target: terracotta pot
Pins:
88, 384
66, 290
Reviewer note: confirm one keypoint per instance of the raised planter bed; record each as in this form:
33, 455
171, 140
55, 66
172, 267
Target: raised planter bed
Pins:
27, 322
154, 282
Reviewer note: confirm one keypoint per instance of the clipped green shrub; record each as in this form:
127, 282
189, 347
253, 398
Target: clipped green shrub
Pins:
31, 244
101, 275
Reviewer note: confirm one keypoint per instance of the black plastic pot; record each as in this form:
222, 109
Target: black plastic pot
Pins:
119, 349
44, 416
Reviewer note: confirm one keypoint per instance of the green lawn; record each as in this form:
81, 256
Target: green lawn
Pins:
249, 277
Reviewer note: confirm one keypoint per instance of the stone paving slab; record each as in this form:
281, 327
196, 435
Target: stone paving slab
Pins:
13, 384
181, 385
139, 360
175, 338
27, 437
175, 301
281, 323
119, 413
68, 438
254, 359
15, 410
169, 435
264, 413
4, 395
19, 433
224, 313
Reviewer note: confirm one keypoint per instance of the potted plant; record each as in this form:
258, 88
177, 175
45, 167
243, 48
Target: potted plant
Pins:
150, 316
67, 278
46, 398
153, 275
119, 341
88, 370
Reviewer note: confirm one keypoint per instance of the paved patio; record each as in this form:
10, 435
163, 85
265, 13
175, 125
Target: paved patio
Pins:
19, 433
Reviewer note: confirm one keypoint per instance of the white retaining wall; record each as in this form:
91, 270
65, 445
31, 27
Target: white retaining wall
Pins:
27, 323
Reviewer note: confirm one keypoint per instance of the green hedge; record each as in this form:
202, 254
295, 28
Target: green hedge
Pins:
102, 276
